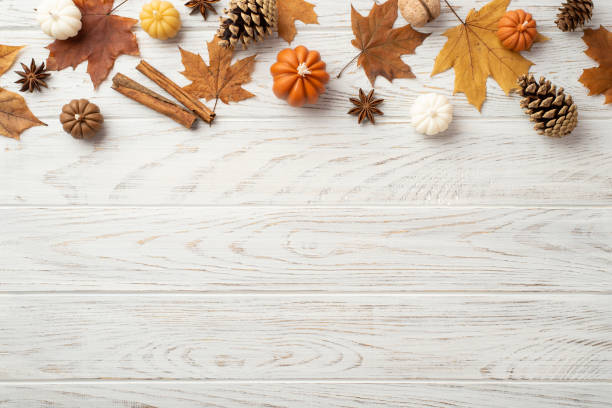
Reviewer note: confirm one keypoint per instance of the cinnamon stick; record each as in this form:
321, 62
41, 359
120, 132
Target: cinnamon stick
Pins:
153, 100
189, 101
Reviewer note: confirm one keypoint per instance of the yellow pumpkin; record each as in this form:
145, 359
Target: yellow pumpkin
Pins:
160, 19
517, 30
299, 76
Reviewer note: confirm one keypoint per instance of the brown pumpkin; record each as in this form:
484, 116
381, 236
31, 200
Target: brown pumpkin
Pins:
299, 76
81, 118
517, 30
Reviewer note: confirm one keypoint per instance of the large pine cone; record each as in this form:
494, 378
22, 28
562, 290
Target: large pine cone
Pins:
246, 21
554, 113
573, 14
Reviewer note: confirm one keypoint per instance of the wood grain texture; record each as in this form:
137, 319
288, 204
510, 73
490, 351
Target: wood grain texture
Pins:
314, 155
304, 337
290, 258
311, 163
221, 249
302, 395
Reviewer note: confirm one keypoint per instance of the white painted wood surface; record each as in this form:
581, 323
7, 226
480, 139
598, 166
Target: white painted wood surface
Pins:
290, 258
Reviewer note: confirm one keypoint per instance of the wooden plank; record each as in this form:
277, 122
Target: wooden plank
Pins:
562, 60
310, 163
221, 249
302, 395
334, 14
306, 337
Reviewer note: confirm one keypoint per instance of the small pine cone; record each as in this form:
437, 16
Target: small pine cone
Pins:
246, 21
554, 113
573, 14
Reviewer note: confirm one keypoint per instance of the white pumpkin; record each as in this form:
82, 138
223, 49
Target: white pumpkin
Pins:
431, 114
59, 19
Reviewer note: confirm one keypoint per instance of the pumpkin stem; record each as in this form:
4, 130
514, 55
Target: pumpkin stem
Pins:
303, 70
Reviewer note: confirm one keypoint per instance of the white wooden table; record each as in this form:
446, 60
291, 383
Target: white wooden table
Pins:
291, 258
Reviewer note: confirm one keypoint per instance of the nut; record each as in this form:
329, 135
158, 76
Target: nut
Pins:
419, 12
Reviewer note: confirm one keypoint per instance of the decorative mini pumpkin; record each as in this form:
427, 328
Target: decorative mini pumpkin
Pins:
431, 114
160, 19
517, 30
419, 12
59, 19
81, 118
299, 76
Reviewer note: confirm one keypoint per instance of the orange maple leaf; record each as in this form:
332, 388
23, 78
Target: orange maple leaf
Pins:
102, 39
220, 79
599, 80
291, 10
382, 45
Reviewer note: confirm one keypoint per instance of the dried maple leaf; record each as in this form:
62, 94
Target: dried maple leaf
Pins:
382, 45
291, 10
15, 116
220, 79
599, 80
102, 39
8, 54
476, 53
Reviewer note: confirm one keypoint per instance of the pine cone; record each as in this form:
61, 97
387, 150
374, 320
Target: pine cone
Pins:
573, 14
246, 21
554, 112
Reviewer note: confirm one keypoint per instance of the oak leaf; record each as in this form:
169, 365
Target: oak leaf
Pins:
475, 52
15, 116
382, 45
599, 80
220, 79
102, 39
291, 10
8, 54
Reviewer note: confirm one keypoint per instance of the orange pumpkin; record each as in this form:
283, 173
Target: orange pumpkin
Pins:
299, 76
517, 30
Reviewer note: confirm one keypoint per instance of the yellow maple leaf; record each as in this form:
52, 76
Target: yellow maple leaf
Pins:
475, 52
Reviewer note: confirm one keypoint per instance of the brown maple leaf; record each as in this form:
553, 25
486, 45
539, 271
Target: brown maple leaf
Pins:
291, 10
15, 116
475, 52
8, 54
102, 39
599, 80
382, 45
220, 79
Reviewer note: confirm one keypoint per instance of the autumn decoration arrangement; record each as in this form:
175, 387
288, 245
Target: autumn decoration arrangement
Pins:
486, 43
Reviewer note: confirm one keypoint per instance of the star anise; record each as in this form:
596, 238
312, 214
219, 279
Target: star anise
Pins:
366, 106
32, 77
202, 6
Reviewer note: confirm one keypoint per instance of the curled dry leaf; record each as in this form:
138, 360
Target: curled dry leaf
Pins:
382, 45
15, 116
102, 39
220, 79
291, 10
8, 54
599, 80
475, 52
